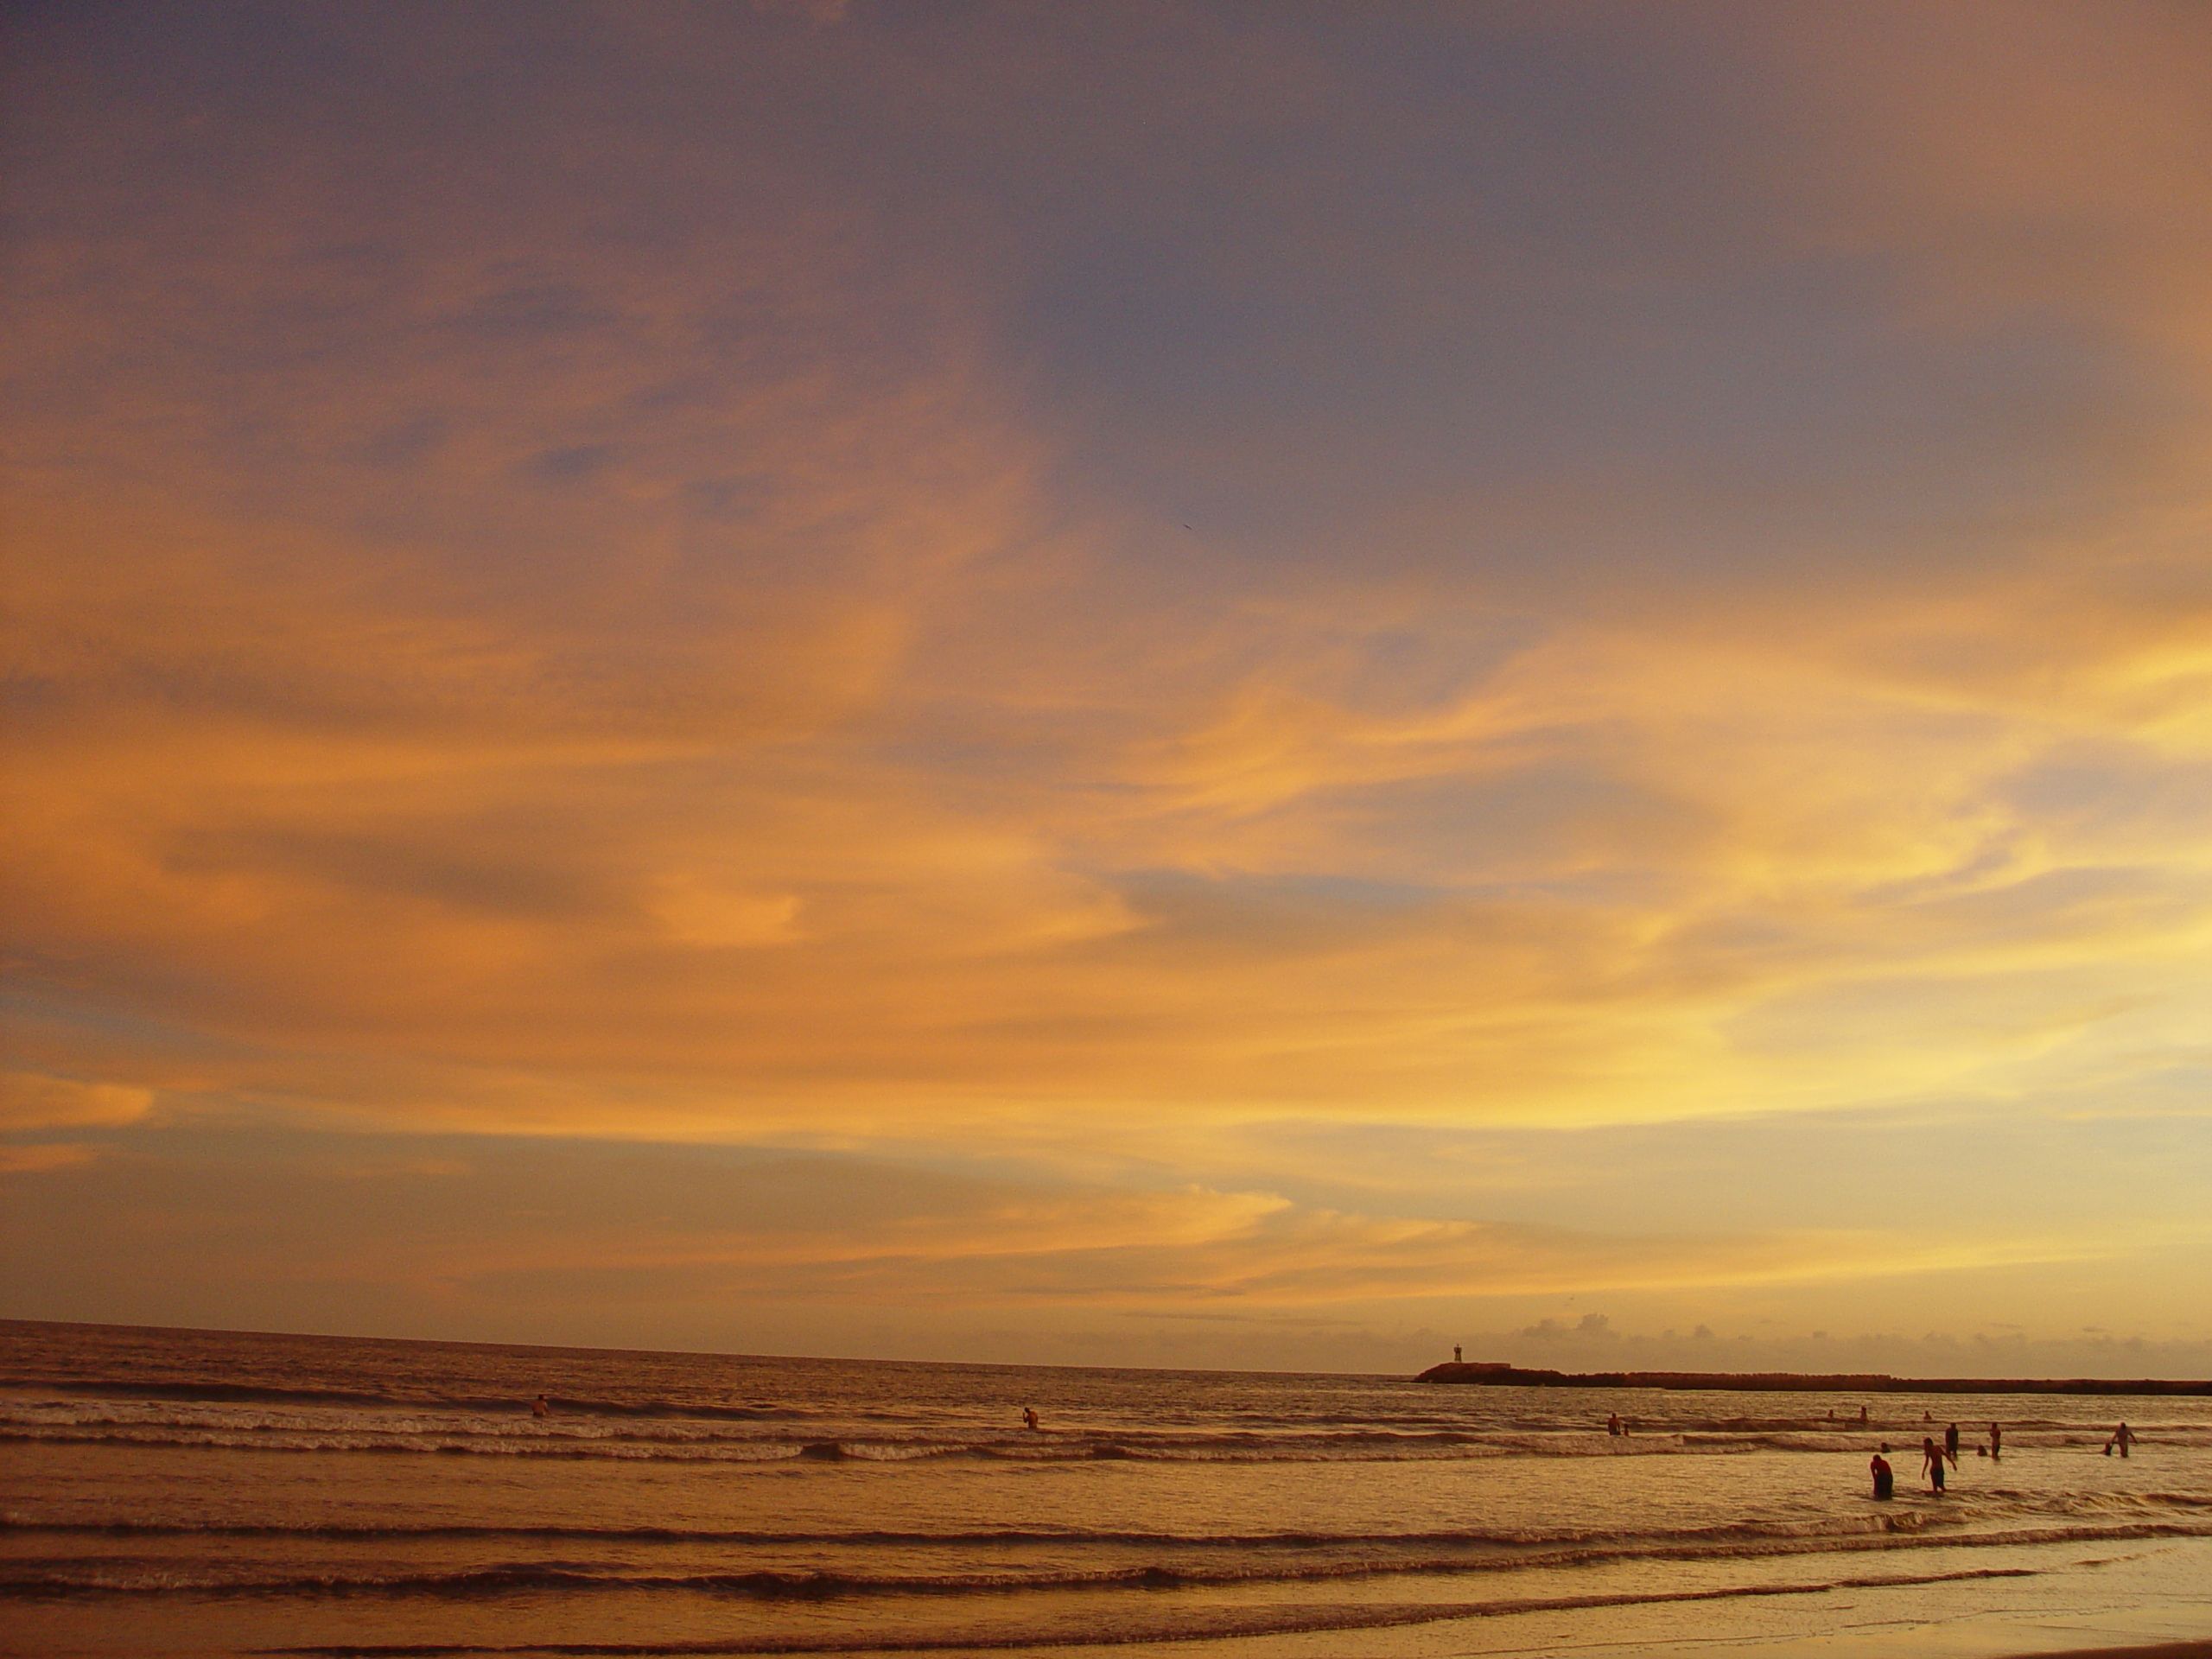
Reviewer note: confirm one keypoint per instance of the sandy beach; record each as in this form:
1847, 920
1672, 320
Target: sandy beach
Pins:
1927, 1640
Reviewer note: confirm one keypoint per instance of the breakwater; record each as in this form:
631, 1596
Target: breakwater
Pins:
1500, 1376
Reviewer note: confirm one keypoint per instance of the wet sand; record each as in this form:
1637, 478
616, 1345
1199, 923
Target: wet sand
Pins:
1933, 1641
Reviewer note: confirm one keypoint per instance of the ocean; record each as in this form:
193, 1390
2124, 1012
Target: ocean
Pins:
178, 1492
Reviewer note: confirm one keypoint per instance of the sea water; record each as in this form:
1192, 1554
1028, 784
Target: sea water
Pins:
196, 1493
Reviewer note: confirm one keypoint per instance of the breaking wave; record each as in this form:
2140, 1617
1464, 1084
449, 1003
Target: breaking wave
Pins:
1357, 1557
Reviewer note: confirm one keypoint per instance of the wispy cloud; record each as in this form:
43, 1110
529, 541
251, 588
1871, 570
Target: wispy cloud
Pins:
30, 1100
750, 581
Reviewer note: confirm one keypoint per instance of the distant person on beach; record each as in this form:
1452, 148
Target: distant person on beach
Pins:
1996, 1441
2123, 1437
1613, 1426
1862, 1414
1029, 1416
1951, 1444
1931, 1464
1456, 1360
541, 1406
1886, 1478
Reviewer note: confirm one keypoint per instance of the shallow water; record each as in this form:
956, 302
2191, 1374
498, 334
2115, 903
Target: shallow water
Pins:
202, 1493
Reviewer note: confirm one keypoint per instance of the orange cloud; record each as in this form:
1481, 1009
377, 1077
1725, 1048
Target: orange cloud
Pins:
30, 1100
48, 1155
708, 620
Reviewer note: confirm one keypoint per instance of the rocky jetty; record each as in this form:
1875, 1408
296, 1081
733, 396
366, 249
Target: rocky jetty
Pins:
1497, 1374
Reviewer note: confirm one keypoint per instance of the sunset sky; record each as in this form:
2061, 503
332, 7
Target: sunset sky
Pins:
1247, 684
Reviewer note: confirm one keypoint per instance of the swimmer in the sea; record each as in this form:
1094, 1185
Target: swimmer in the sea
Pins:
1931, 1464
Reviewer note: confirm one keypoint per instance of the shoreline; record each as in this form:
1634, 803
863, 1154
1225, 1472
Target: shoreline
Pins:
1488, 1374
1919, 1641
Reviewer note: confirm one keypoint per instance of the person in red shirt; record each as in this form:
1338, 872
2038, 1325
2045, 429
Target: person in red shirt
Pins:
1885, 1480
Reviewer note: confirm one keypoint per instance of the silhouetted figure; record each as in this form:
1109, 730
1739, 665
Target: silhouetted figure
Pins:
1886, 1478
1931, 1464
1951, 1444
1456, 1360
1613, 1426
2123, 1437
1862, 1414
541, 1406
1996, 1441
1029, 1416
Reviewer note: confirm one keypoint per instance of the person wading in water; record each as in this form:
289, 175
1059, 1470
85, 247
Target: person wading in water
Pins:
1931, 1464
